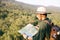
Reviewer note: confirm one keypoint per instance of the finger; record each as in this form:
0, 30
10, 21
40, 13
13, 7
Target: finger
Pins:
29, 38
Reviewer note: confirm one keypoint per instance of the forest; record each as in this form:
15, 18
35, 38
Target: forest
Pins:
13, 17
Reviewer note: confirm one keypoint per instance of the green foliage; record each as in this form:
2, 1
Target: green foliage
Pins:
14, 17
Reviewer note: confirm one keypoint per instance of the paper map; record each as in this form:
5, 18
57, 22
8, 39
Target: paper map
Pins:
29, 30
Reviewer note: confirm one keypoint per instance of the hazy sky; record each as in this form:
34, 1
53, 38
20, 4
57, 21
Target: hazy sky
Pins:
42, 2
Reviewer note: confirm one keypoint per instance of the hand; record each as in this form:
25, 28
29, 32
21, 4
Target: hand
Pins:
25, 36
37, 27
29, 38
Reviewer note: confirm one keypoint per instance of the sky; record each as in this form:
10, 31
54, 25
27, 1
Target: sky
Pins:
42, 2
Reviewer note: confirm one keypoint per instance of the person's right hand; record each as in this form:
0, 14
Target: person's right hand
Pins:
37, 27
29, 38
25, 36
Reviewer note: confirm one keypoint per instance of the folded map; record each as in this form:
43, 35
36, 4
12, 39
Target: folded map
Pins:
29, 30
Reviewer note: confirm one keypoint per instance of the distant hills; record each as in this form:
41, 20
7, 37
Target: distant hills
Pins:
34, 7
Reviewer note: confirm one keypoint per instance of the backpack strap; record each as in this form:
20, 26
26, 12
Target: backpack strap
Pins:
49, 23
46, 21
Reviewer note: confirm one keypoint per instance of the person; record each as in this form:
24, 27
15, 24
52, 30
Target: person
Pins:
43, 24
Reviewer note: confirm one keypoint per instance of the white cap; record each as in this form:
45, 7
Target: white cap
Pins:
41, 10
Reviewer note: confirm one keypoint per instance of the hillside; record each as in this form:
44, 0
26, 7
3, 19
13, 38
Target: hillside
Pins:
15, 15
34, 7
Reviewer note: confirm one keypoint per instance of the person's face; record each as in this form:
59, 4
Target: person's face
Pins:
40, 16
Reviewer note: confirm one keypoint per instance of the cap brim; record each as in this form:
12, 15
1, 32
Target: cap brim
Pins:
48, 13
44, 13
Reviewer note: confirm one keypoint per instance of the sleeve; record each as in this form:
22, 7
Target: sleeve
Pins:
42, 31
42, 25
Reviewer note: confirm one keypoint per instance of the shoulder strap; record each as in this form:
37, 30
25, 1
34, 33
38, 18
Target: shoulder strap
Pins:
46, 21
49, 23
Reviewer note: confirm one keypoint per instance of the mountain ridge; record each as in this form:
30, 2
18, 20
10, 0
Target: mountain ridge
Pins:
34, 7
